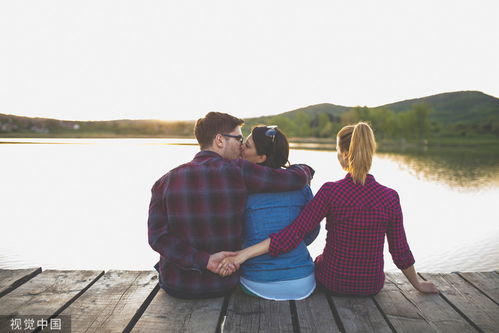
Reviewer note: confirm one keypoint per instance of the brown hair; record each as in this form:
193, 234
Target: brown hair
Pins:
359, 144
212, 124
277, 151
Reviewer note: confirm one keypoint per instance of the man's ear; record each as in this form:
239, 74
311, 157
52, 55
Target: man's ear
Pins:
218, 141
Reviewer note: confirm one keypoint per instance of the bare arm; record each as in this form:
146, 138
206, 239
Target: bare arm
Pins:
229, 264
422, 286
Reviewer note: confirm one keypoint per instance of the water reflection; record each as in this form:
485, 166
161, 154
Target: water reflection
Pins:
63, 197
460, 168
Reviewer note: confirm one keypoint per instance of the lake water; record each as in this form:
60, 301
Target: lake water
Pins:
83, 203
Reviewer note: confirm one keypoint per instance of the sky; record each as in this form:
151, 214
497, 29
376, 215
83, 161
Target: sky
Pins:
178, 60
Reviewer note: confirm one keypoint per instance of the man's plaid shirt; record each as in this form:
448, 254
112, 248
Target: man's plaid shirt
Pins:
357, 219
197, 209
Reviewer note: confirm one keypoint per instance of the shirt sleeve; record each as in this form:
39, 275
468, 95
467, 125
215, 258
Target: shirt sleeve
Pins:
169, 245
312, 235
260, 179
311, 215
397, 243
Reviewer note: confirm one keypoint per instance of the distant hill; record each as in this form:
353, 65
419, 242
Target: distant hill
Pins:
460, 114
461, 106
452, 107
313, 110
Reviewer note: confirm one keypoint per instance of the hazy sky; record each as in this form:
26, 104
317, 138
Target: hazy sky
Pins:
181, 59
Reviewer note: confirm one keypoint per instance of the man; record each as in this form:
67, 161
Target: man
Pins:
197, 209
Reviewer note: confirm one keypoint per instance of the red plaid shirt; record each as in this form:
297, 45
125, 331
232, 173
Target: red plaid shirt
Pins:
198, 209
357, 219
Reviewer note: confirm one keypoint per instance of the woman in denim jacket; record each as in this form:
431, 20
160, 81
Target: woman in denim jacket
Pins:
289, 276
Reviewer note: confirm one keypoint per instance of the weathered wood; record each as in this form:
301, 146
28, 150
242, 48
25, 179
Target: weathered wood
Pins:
47, 294
111, 303
315, 315
402, 314
487, 282
121, 300
360, 314
169, 314
10, 279
433, 307
251, 314
472, 303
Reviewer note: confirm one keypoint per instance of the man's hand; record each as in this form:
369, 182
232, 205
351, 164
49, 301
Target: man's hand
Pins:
216, 258
229, 265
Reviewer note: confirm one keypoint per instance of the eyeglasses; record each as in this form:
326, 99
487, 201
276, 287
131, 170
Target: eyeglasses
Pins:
237, 137
271, 132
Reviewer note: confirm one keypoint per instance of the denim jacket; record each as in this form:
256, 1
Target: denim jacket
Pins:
267, 213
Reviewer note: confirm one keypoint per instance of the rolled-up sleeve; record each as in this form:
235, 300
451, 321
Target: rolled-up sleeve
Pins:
397, 242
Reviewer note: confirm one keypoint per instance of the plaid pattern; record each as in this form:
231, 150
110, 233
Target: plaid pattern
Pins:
357, 219
198, 209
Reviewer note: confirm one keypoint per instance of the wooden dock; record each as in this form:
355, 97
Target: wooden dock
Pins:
131, 301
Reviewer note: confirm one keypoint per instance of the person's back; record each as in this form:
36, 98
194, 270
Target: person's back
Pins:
190, 194
357, 219
291, 276
267, 213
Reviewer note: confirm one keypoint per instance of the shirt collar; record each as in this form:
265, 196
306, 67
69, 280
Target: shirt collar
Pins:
369, 178
206, 154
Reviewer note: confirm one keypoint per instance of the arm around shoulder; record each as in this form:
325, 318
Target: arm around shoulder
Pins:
264, 179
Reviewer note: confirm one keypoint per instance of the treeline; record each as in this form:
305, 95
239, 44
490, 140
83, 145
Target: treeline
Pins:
412, 124
462, 115
43, 127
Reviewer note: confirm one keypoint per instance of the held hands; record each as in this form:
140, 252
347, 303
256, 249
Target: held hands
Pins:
226, 263
215, 260
230, 264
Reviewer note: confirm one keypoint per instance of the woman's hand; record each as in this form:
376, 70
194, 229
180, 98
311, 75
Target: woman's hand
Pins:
230, 264
422, 286
427, 287
216, 258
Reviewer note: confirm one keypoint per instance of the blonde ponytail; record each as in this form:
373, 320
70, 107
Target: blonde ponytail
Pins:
359, 144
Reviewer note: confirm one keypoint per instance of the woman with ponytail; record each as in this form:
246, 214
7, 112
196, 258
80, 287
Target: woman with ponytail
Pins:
359, 213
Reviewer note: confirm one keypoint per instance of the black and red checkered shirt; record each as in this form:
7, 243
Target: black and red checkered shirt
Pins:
357, 219
198, 209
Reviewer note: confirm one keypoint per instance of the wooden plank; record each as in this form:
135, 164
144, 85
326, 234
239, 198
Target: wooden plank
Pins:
487, 282
403, 315
169, 314
252, 314
111, 303
47, 294
360, 314
10, 279
314, 314
433, 307
472, 303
